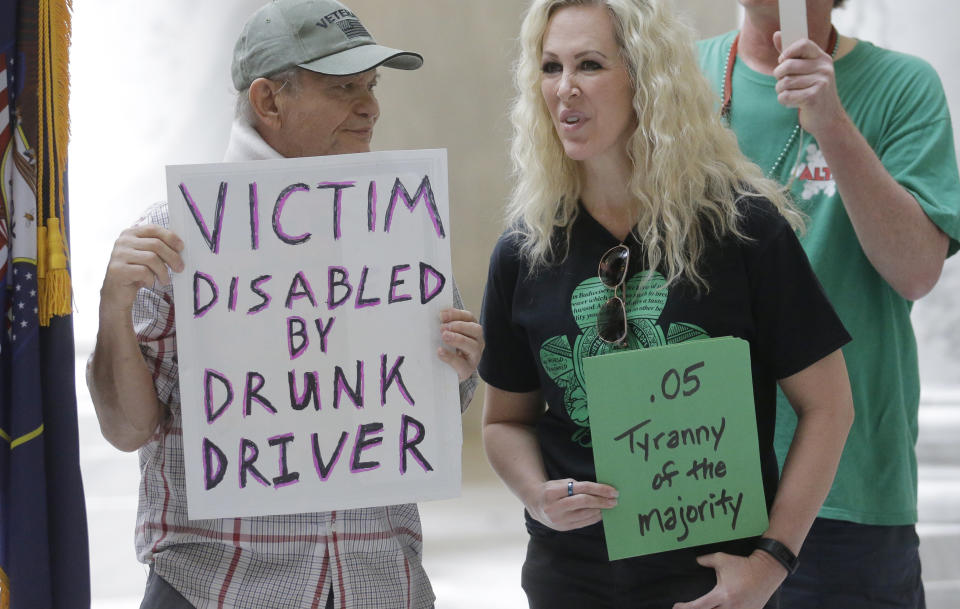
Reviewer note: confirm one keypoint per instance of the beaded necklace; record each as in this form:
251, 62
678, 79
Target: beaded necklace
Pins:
728, 96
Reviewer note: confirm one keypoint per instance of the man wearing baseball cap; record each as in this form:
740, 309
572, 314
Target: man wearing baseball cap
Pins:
305, 71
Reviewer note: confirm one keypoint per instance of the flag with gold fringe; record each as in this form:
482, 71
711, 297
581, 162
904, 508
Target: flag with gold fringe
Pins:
43, 532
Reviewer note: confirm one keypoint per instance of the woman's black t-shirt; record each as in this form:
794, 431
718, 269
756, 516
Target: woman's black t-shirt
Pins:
539, 327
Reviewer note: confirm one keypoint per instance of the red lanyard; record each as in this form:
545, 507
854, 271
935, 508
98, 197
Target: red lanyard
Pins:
732, 61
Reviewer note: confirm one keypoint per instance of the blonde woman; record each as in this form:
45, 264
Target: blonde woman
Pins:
636, 222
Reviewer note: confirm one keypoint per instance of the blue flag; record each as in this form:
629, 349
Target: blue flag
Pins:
43, 533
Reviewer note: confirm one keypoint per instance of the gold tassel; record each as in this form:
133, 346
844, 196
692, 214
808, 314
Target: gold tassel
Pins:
53, 96
54, 277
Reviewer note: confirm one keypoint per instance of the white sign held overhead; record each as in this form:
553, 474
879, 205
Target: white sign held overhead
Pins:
793, 21
308, 320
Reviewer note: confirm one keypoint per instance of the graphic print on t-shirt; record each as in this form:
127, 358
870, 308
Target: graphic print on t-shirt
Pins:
563, 362
814, 174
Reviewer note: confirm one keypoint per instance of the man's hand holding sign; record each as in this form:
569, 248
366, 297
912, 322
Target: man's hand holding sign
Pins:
142, 256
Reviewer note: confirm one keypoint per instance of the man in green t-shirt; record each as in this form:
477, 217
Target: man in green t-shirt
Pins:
863, 138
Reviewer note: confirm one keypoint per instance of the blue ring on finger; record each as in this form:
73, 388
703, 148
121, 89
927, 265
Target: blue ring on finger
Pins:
570, 489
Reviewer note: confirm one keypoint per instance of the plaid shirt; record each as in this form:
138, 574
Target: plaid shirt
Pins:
370, 557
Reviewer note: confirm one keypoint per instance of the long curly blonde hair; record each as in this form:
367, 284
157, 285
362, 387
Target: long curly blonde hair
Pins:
688, 170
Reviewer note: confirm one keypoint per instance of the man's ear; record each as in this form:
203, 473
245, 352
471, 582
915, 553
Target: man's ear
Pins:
263, 99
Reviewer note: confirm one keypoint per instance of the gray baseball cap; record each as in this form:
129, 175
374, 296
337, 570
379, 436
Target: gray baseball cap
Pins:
320, 35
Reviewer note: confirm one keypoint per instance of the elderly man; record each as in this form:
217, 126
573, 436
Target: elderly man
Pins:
877, 176
305, 71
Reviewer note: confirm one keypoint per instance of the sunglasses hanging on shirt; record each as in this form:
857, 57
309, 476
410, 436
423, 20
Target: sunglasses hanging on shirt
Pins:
612, 317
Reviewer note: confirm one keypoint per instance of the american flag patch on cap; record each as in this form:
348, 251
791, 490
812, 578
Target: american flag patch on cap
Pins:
353, 28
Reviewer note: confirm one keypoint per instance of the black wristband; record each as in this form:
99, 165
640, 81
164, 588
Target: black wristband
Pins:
779, 551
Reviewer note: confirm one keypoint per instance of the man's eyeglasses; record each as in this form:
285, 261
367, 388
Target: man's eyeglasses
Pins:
612, 317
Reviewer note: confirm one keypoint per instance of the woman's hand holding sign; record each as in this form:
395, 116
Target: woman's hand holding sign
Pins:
463, 338
509, 421
564, 505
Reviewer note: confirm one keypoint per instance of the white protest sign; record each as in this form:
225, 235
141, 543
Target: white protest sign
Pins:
793, 21
308, 319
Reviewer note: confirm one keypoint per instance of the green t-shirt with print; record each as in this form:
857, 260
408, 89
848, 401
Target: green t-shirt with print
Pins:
897, 103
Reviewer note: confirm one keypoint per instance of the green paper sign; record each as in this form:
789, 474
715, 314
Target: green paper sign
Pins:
674, 431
